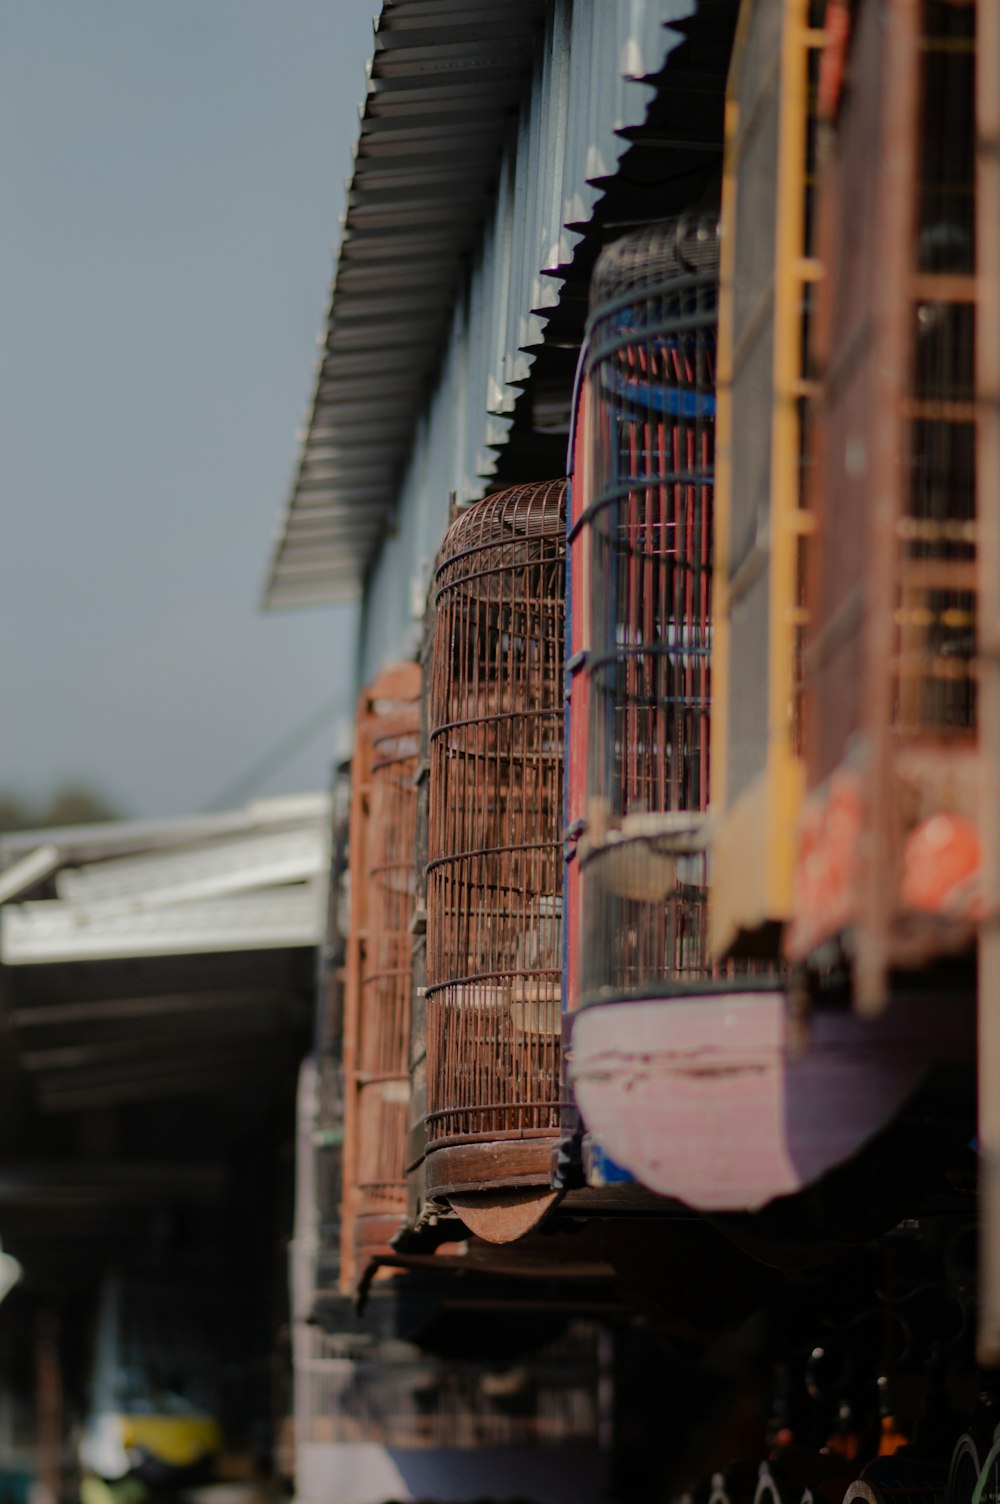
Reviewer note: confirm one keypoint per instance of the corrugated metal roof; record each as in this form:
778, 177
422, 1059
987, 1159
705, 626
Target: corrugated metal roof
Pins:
247, 881
158, 959
443, 88
489, 139
78, 844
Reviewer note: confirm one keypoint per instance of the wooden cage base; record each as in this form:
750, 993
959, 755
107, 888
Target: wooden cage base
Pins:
500, 1189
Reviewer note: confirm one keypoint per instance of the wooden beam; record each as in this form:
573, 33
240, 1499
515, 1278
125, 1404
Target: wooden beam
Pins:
71, 1185
212, 1036
170, 1005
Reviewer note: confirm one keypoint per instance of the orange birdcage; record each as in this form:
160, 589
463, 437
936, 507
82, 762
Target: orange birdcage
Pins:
379, 964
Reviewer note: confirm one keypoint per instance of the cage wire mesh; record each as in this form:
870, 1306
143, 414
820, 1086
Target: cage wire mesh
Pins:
935, 614
385, 993
930, 607
388, 746
890, 670
646, 536
494, 871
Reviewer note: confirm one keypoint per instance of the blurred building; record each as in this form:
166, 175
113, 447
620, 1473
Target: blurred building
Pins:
158, 985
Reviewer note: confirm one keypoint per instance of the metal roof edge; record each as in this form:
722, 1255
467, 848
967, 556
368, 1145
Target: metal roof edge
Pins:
420, 89
118, 837
358, 436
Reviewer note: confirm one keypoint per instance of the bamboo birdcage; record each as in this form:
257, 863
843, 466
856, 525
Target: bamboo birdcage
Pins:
641, 551
377, 1012
891, 662
494, 870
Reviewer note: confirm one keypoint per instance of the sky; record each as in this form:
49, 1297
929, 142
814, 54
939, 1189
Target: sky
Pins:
171, 176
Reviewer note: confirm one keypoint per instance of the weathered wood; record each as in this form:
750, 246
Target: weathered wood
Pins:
504, 1216
505, 1164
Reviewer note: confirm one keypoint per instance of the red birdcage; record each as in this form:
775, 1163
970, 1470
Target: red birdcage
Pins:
494, 869
641, 555
379, 964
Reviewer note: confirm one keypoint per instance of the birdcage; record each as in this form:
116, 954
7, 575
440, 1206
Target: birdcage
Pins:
641, 551
768, 277
379, 964
890, 667
494, 869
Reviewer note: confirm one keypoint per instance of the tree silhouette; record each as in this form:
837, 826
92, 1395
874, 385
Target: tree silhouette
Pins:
70, 804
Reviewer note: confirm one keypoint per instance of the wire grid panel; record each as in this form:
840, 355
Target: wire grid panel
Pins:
494, 873
646, 534
935, 610
929, 604
891, 667
386, 982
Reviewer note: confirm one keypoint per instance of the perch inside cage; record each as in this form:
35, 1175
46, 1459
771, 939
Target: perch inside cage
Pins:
642, 557
494, 870
377, 1020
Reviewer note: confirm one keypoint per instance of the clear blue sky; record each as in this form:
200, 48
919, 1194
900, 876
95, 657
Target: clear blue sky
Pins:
171, 174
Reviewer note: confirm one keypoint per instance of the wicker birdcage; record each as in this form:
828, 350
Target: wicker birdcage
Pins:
641, 552
379, 964
494, 871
